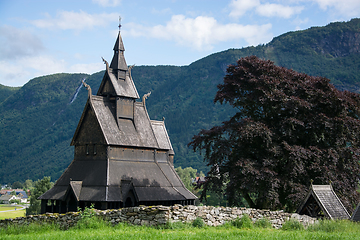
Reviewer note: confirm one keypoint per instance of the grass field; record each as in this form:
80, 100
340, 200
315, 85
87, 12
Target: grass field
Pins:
12, 214
100, 230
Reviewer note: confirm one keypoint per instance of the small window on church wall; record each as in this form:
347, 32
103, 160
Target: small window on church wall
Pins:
94, 149
87, 149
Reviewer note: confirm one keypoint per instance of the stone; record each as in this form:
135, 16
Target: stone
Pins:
145, 222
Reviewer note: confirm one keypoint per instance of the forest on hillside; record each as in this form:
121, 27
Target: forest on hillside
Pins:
37, 121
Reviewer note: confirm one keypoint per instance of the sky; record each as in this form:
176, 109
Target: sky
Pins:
42, 37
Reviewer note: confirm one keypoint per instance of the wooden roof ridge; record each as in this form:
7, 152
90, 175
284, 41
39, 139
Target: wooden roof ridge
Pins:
118, 74
89, 103
356, 214
157, 134
75, 186
327, 201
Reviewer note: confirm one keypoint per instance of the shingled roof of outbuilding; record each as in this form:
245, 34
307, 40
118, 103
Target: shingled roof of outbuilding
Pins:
356, 214
327, 201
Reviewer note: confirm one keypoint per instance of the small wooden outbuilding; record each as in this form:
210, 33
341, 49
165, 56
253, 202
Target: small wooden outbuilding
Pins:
356, 214
322, 202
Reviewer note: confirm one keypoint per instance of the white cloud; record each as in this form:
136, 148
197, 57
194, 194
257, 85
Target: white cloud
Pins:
17, 73
76, 20
44, 64
107, 3
12, 75
277, 10
202, 32
16, 43
89, 68
348, 8
20, 71
240, 7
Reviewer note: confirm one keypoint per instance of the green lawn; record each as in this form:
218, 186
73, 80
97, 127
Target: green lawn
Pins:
207, 234
329, 230
12, 214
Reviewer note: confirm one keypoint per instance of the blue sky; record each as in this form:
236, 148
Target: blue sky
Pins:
41, 37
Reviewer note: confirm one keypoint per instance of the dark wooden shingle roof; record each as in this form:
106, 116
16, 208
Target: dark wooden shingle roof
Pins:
322, 201
356, 214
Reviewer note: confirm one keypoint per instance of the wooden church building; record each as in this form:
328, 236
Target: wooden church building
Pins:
122, 158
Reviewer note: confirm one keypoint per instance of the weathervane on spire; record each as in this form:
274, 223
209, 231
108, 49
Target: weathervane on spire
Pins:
119, 23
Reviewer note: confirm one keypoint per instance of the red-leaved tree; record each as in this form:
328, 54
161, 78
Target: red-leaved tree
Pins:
290, 128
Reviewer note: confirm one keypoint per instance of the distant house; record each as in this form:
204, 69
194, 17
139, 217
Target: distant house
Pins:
9, 191
198, 181
17, 192
5, 199
22, 198
19, 195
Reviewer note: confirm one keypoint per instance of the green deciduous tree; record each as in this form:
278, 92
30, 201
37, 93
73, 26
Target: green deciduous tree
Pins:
187, 175
289, 128
17, 185
28, 184
41, 186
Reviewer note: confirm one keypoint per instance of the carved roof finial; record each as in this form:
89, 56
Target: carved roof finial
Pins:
88, 88
106, 63
130, 70
145, 97
119, 23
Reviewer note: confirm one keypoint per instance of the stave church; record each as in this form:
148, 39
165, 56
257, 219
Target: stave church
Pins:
121, 157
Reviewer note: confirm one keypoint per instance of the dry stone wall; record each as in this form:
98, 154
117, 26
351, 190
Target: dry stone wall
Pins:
159, 215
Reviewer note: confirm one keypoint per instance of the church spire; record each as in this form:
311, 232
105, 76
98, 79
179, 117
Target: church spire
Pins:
118, 62
117, 80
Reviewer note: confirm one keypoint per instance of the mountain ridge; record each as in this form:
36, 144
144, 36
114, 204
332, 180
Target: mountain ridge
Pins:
38, 120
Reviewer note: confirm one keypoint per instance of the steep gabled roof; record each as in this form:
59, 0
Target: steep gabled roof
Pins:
117, 80
161, 134
323, 198
139, 132
76, 188
97, 181
356, 214
113, 86
118, 61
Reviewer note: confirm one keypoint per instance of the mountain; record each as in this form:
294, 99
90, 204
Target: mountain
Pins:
37, 121
5, 92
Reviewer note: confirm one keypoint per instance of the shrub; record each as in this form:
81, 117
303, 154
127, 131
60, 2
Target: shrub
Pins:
17, 201
88, 212
263, 223
198, 222
292, 224
243, 222
89, 220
